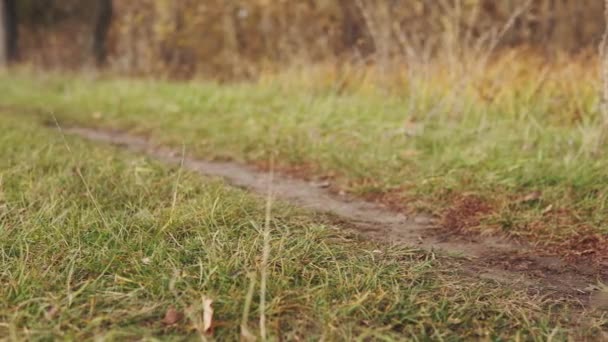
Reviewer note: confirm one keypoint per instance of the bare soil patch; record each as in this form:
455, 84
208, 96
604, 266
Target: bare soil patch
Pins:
496, 258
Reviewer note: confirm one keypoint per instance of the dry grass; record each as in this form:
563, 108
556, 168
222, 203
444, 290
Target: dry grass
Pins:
246, 39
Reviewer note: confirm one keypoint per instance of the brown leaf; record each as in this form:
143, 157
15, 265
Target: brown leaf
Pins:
531, 197
172, 316
207, 314
321, 184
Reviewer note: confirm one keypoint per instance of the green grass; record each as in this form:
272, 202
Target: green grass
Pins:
93, 244
535, 135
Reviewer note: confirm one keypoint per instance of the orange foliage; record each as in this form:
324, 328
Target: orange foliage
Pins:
242, 38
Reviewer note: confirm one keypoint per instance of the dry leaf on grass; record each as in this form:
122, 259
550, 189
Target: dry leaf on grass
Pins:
207, 314
203, 324
321, 184
531, 197
547, 209
172, 316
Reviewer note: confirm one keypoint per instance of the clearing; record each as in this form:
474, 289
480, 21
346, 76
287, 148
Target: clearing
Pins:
101, 242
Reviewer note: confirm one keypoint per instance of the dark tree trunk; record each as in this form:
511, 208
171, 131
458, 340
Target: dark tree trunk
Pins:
103, 19
352, 24
8, 31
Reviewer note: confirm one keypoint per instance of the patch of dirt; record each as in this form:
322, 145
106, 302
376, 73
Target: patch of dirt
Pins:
497, 258
465, 214
586, 245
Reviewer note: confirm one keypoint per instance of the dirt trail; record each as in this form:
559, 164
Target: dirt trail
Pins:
492, 258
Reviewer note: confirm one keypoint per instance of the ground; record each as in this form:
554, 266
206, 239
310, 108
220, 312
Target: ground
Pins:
102, 242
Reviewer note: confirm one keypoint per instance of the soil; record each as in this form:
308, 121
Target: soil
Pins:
496, 258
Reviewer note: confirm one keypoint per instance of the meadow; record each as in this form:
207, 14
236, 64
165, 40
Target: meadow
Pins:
522, 141
100, 243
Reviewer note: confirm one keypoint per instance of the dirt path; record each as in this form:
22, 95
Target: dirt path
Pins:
491, 258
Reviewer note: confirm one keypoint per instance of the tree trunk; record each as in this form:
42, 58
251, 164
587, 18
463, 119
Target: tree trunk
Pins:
8, 32
351, 25
103, 19
604, 73
3, 35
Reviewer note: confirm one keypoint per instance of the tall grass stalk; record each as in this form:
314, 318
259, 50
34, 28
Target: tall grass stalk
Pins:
266, 255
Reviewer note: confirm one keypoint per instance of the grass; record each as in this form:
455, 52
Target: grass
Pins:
97, 243
520, 136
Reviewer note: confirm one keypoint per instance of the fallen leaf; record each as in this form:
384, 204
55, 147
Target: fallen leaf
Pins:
547, 209
207, 314
531, 197
453, 320
322, 184
172, 316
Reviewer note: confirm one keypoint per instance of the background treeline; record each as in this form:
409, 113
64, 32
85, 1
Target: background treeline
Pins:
240, 38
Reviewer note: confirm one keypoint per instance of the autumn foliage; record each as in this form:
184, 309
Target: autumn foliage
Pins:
234, 38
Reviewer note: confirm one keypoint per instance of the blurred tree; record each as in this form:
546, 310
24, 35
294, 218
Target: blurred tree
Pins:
103, 19
8, 31
239, 38
353, 26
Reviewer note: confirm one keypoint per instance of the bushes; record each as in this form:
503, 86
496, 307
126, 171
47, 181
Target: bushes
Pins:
241, 38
